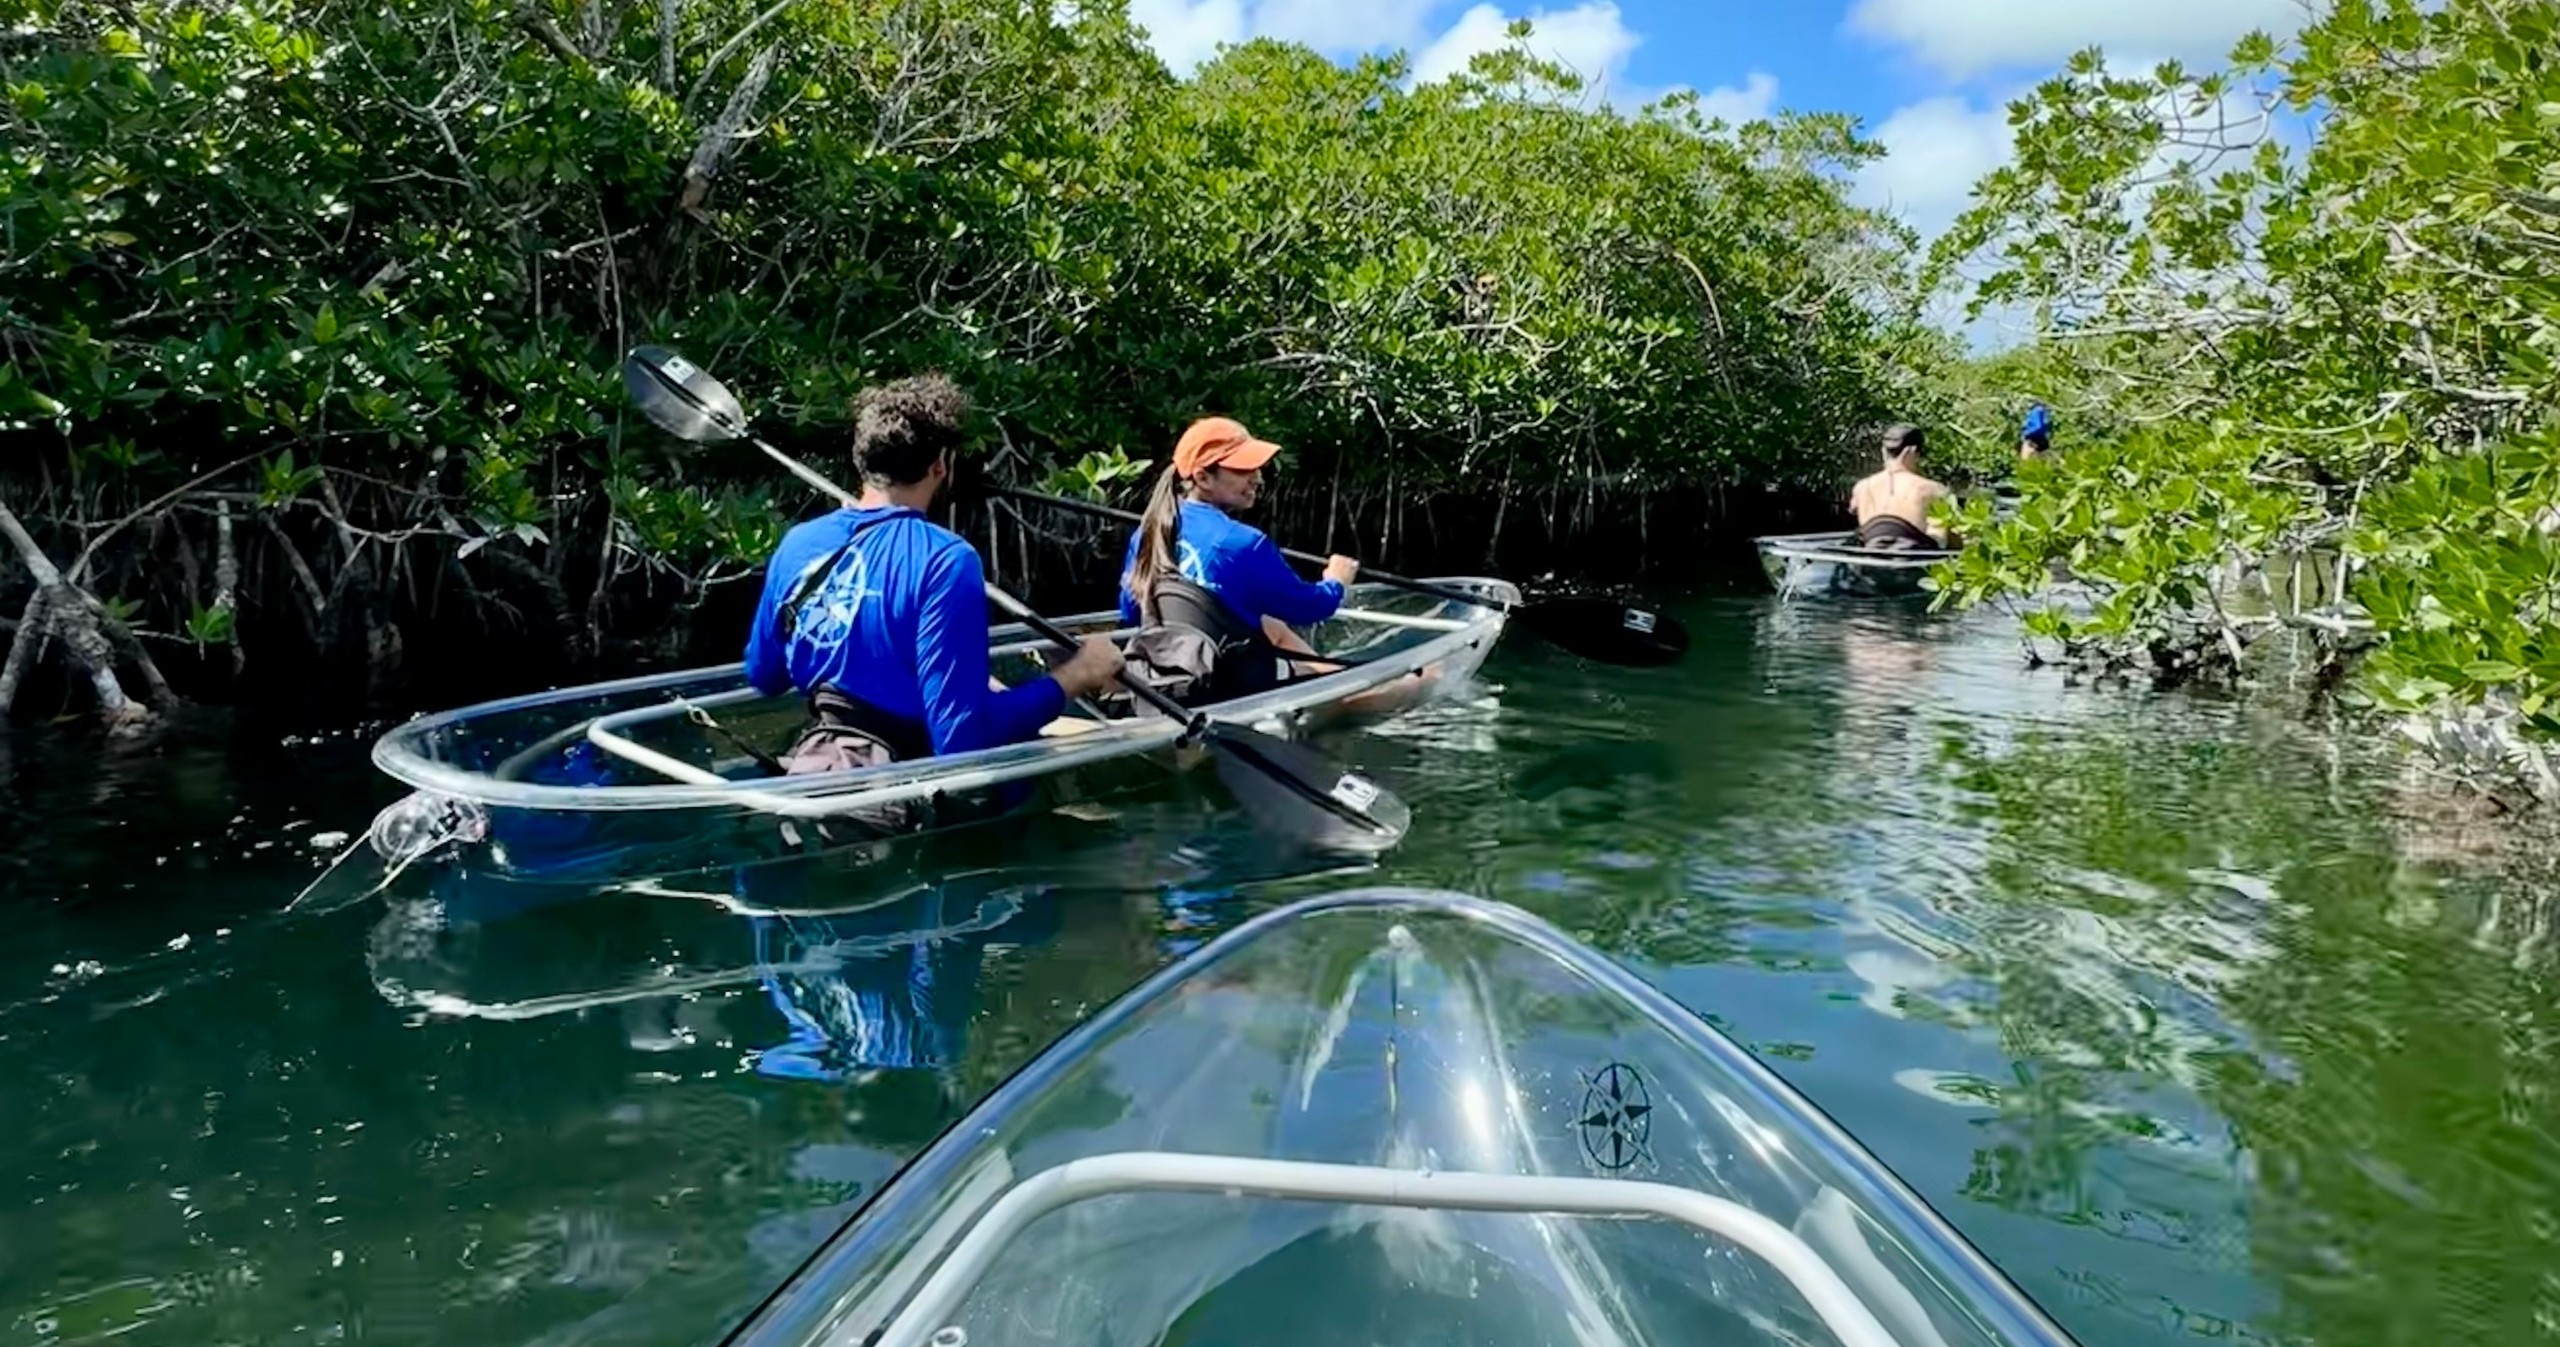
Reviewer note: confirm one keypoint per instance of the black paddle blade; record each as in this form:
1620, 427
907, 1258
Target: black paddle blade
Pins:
681, 397
1296, 790
1606, 631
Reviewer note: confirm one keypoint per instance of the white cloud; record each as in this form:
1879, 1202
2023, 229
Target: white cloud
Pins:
1757, 98
1341, 27
1964, 38
1591, 39
1938, 149
1934, 153
1188, 32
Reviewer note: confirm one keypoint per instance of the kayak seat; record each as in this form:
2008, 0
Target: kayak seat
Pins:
1195, 650
1893, 533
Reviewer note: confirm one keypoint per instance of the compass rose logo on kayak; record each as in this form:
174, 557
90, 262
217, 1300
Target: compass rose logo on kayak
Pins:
1617, 1117
829, 616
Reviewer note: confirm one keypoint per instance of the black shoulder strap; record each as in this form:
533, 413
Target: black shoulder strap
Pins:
787, 613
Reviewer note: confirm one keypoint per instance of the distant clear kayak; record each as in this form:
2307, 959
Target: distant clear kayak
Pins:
1836, 562
1395, 1117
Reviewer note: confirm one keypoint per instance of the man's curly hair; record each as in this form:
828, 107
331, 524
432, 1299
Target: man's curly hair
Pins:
900, 428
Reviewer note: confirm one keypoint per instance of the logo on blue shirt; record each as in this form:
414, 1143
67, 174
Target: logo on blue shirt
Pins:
828, 617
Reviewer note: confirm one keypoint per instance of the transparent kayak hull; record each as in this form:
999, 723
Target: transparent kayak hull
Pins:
1395, 1116
578, 779
1802, 563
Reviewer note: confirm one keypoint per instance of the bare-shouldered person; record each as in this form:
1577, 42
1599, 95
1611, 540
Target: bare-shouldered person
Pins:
1893, 505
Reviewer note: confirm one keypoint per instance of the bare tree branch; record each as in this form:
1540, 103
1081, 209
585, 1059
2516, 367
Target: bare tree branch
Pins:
547, 29
669, 13
721, 139
738, 39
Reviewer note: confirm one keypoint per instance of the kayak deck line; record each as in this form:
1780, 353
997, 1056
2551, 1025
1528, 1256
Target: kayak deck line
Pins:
922, 1320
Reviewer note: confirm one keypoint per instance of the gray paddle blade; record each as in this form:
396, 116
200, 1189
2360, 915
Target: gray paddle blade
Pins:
1294, 789
681, 397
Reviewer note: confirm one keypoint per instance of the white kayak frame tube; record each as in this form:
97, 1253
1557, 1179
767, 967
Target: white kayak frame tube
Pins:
1075, 1181
1416, 621
1126, 738
606, 732
1842, 549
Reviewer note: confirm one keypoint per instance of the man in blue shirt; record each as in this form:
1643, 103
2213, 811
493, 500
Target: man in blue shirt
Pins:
887, 611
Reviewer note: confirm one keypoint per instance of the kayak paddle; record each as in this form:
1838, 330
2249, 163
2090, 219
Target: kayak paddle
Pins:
1283, 783
1594, 628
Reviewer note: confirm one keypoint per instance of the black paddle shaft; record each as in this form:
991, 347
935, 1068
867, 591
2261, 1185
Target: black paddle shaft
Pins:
1194, 722
1382, 577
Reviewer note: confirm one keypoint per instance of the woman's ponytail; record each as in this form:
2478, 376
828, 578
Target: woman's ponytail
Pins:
1159, 540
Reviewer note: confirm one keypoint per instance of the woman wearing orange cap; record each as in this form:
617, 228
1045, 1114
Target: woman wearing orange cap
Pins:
1190, 564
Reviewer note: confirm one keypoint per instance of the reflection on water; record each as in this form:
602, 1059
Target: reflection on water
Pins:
2187, 1010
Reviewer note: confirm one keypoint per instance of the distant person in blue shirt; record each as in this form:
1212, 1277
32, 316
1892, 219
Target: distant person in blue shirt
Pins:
2035, 438
1190, 563
881, 615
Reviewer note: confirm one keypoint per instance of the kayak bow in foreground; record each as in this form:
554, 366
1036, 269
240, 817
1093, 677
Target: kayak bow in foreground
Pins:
1456, 1122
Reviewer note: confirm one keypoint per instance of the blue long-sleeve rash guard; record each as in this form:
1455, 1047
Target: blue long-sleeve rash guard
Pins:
1242, 567
901, 622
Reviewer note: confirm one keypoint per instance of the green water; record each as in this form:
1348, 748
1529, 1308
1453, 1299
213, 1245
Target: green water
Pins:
2182, 1008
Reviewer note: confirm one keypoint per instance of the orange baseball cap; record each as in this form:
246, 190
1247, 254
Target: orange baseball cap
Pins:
1217, 442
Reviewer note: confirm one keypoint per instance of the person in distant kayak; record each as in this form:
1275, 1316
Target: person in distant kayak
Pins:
1190, 565
2035, 438
1893, 505
880, 615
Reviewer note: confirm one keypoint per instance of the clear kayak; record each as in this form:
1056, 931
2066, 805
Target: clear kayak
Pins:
1836, 562
1395, 1116
576, 779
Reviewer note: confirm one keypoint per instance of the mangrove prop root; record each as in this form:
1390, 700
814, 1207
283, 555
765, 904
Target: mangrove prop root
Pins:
71, 616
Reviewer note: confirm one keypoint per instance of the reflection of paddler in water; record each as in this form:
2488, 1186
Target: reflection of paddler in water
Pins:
1882, 667
889, 988
1893, 505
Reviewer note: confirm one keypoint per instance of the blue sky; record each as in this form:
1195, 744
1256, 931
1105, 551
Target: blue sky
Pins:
1930, 78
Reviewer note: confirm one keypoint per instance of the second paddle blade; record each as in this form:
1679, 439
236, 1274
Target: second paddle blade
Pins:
1606, 630
682, 398
1296, 790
